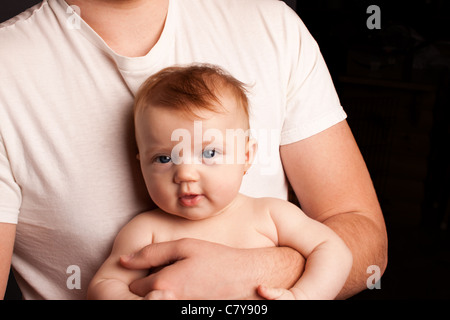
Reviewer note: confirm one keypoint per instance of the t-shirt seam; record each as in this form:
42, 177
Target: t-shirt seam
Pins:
306, 130
9, 216
4, 26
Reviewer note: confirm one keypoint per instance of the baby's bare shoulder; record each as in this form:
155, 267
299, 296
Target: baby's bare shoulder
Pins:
278, 208
144, 225
275, 203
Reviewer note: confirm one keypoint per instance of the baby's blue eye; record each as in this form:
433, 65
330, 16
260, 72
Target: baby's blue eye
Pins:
208, 154
163, 159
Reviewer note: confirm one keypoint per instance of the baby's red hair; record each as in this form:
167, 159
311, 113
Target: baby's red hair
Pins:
190, 89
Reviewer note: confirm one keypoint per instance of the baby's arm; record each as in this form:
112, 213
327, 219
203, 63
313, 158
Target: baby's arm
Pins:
112, 280
328, 259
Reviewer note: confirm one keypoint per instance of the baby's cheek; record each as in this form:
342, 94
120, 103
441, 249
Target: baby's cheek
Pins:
229, 184
160, 194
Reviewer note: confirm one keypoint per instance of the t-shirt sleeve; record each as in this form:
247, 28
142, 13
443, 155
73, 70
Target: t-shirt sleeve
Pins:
10, 194
312, 102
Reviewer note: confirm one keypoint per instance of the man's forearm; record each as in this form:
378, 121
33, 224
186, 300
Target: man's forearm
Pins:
368, 243
284, 266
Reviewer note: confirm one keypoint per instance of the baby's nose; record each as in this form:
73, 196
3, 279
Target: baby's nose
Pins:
186, 173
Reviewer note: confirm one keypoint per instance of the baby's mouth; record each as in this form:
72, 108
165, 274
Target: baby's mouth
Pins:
190, 199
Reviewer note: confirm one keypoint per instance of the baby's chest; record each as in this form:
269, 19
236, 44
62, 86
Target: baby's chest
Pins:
237, 234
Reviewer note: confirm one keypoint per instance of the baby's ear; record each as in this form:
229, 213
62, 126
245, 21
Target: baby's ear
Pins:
250, 151
138, 157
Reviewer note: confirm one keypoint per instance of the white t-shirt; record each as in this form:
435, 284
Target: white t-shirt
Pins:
69, 177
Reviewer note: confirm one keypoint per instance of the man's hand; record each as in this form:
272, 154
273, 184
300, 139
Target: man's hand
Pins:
196, 269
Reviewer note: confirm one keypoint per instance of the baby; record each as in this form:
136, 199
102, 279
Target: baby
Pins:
195, 183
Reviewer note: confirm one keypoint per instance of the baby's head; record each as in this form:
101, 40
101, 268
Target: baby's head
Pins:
192, 131
192, 90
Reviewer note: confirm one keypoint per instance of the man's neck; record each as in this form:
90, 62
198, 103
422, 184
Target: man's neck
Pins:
130, 27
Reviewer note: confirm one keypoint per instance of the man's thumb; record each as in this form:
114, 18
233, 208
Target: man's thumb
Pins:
152, 255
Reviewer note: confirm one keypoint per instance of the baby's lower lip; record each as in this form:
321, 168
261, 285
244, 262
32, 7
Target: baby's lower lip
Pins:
190, 200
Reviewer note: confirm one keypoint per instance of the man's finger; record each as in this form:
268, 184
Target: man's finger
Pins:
160, 295
153, 255
152, 282
143, 286
270, 293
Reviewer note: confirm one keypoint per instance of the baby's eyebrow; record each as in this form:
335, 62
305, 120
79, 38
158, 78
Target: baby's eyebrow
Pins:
206, 142
158, 149
214, 138
213, 143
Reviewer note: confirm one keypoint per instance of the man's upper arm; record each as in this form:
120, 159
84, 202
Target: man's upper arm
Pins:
329, 175
333, 186
7, 236
10, 201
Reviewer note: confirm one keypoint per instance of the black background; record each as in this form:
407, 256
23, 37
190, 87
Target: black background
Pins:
394, 85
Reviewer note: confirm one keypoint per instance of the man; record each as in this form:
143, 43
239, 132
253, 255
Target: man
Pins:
67, 150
